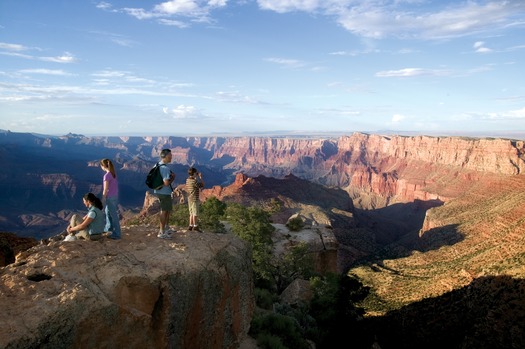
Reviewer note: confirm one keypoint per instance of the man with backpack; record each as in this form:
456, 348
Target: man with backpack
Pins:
164, 194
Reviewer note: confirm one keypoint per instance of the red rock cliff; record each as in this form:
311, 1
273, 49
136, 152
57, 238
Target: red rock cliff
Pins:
399, 168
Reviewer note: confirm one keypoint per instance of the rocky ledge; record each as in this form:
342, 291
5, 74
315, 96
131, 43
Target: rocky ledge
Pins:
193, 291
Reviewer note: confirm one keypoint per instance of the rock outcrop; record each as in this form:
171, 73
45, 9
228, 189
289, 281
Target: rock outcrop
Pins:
11, 245
317, 206
193, 291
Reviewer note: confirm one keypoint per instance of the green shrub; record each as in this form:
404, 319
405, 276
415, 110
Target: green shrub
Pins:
279, 330
180, 215
264, 298
295, 224
212, 212
267, 341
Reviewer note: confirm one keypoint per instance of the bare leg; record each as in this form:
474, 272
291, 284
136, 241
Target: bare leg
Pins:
164, 218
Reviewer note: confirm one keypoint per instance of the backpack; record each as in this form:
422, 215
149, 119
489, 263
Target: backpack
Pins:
154, 178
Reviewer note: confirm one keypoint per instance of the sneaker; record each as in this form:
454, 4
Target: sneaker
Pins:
164, 235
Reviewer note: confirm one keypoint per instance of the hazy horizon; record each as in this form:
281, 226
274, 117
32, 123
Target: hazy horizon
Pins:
515, 135
195, 67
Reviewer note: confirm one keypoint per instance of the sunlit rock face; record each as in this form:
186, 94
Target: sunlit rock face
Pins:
193, 291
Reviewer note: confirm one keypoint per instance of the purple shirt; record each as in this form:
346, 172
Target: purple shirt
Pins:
112, 185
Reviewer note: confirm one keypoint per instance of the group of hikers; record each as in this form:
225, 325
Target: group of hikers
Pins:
102, 218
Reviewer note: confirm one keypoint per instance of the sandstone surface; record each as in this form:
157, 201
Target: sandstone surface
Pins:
193, 291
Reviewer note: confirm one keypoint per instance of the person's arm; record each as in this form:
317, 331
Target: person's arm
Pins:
169, 178
168, 181
105, 190
201, 182
85, 223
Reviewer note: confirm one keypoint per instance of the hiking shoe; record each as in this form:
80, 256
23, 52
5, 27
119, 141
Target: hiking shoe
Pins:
164, 235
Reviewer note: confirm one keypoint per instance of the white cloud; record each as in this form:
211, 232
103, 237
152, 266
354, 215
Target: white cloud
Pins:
65, 58
198, 11
517, 114
236, 97
183, 112
179, 7
285, 62
410, 72
139, 13
479, 46
173, 23
483, 50
404, 19
369, 19
509, 115
283, 6
397, 118
12, 47
15, 49
46, 72
104, 5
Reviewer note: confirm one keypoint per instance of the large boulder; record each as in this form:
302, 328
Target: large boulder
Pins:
193, 291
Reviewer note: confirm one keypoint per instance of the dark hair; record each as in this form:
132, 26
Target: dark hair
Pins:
192, 171
109, 165
94, 200
164, 152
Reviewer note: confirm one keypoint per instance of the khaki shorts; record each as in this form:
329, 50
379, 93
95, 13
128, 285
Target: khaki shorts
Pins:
165, 202
193, 207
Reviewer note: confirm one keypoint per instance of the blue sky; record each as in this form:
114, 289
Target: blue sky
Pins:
222, 67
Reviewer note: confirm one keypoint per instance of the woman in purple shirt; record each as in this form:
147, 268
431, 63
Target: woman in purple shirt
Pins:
110, 199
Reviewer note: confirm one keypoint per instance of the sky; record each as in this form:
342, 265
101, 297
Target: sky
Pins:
250, 67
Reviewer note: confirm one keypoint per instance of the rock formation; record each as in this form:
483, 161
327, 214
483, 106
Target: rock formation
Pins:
11, 245
194, 291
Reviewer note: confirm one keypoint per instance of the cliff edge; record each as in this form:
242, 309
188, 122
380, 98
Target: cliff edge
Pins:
193, 291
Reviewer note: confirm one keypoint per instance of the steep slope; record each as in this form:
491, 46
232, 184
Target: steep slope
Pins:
480, 233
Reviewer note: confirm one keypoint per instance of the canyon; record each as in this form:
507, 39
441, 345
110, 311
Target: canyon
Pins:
416, 219
44, 177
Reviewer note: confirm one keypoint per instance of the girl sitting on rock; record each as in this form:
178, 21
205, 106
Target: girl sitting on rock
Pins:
91, 226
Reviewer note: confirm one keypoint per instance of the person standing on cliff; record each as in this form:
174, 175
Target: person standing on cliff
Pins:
91, 226
194, 183
110, 199
164, 194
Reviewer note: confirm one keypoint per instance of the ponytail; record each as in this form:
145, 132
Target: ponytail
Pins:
109, 165
94, 200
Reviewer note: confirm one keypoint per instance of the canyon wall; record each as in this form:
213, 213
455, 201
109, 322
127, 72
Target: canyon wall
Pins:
375, 170
401, 169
